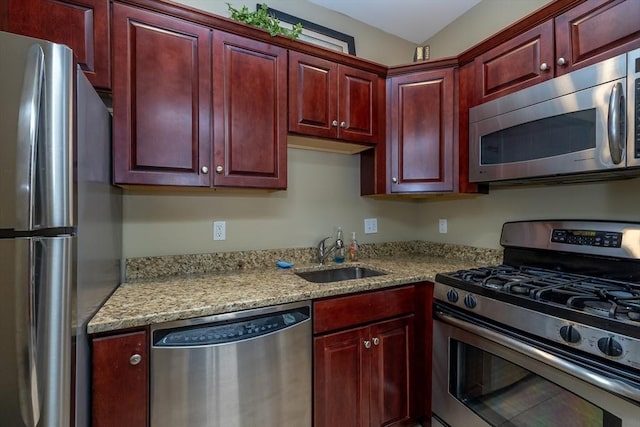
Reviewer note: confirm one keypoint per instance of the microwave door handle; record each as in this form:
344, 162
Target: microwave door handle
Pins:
616, 123
28, 127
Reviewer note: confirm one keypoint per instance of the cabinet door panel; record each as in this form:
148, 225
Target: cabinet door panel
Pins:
422, 132
516, 64
119, 388
83, 25
596, 30
250, 108
358, 103
161, 99
341, 378
391, 387
312, 95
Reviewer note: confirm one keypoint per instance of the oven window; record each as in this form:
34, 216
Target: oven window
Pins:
551, 136
504, 394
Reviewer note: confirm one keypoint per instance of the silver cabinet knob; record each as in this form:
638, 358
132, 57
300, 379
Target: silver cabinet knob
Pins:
135, 359
334, 123
219, 169
376, 341
394, 180
205, 170
544, 66
367, 344
343, 125
561, 61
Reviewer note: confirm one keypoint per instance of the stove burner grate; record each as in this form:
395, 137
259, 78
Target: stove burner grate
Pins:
593, 295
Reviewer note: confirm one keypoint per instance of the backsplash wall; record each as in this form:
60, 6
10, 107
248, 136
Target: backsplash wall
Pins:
323, 192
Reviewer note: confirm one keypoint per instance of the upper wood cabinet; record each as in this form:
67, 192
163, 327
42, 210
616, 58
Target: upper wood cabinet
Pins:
83, 25
161, 99
196, 107
587, 33
520, 62
421, 119
330, 100
120, 380
596, 30
250, 112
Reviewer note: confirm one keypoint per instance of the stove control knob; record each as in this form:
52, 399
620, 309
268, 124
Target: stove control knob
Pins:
452, 295
610, 346
570, 334
470, 301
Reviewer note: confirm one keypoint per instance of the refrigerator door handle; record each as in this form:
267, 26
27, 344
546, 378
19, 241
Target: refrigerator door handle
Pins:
28, 125
25, 294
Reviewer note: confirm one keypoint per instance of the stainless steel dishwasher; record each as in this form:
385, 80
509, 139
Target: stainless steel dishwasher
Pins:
245, 368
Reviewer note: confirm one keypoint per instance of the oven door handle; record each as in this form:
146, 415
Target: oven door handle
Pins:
591, 377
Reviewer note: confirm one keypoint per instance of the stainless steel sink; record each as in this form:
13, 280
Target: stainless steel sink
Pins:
338, 274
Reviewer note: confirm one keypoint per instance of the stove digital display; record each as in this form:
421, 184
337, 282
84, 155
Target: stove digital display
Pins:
607, 239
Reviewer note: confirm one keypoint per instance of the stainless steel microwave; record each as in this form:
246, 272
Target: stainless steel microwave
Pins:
584, 125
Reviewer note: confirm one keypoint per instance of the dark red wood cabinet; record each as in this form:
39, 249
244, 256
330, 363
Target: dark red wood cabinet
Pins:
421, 128
330, 100
366, 359
161, 99
195, 106
250, 112
595, 30
120, 382
520, 62
585, 34
83, 25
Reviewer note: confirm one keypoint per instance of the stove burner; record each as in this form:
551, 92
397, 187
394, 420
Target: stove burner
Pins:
599, 308
520, 289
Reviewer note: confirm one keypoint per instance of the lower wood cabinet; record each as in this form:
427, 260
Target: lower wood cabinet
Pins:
120, 380
362, 375
369, 359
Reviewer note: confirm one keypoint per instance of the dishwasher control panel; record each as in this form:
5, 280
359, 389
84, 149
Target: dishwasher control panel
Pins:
230, 331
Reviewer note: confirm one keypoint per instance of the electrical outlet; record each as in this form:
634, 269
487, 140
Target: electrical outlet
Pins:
219, 230
370, 225
442, 226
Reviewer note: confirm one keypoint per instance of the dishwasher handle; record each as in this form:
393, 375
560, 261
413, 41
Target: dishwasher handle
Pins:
227, 332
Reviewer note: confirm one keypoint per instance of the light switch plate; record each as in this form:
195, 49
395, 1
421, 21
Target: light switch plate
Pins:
442, 226
370, 225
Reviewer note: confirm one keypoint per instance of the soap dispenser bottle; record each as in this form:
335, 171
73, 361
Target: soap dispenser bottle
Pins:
339, 256
353, 248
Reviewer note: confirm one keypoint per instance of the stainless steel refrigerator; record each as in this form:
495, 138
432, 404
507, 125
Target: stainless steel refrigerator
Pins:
60, 232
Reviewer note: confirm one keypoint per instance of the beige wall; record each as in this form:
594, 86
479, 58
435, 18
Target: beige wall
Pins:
323, 192
371, 43
324, 188
478, 222
480, 22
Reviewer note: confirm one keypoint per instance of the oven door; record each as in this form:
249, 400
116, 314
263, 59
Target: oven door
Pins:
484, 378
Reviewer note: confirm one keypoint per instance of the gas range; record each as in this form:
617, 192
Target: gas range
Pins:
574, 284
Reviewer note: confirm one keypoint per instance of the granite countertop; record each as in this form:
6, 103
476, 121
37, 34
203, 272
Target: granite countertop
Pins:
155, 300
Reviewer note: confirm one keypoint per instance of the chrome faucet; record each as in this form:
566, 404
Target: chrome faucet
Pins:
324, 252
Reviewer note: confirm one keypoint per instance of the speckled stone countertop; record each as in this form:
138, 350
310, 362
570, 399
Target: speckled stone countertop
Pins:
146, 299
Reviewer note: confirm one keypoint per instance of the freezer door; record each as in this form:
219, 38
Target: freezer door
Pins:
36, 134
35, 331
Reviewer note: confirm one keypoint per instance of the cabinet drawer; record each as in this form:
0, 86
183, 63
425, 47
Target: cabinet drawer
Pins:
347, 311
